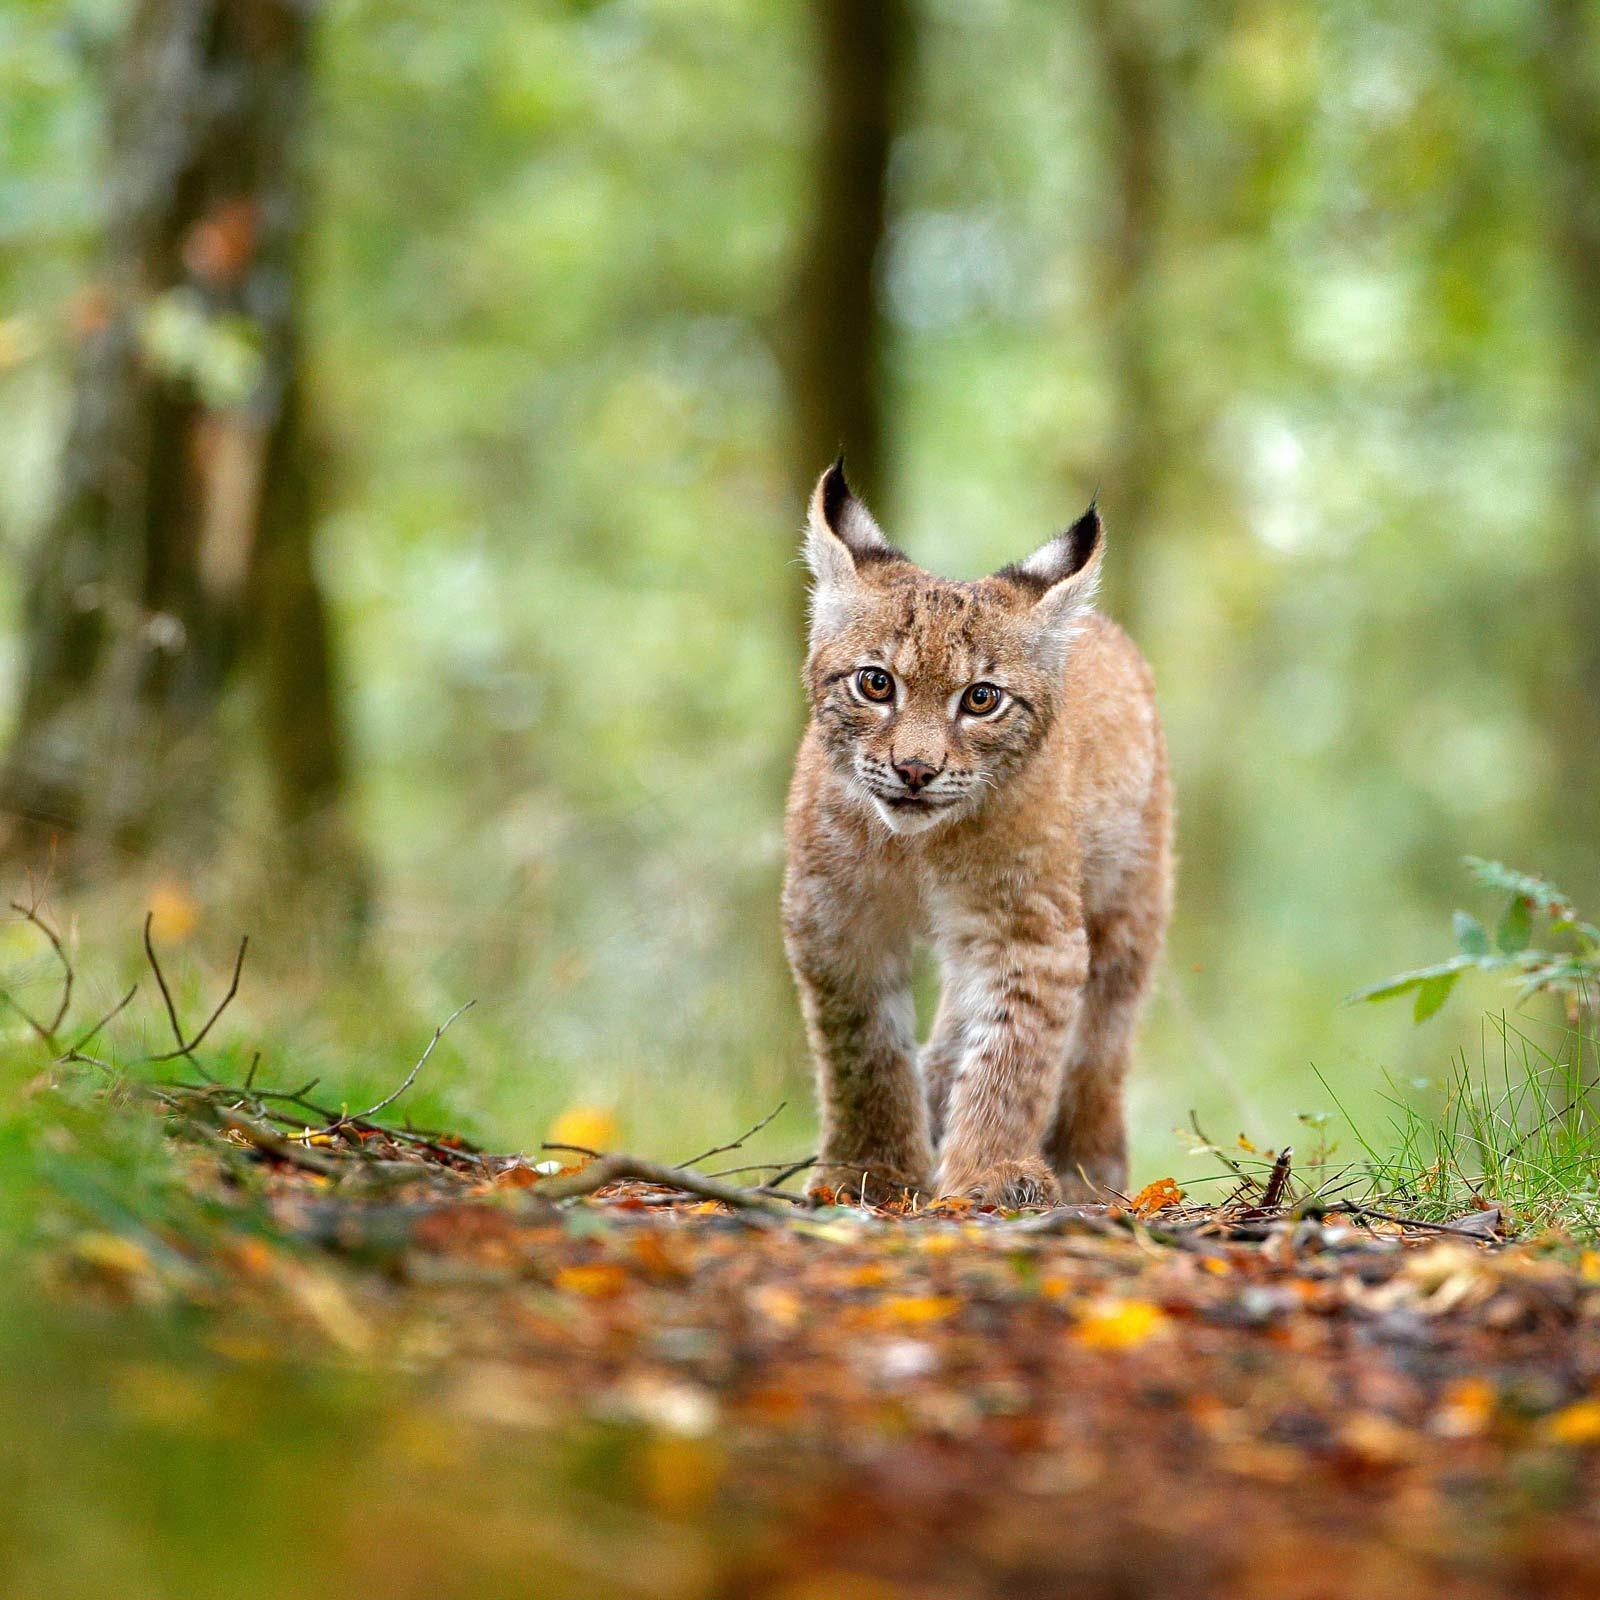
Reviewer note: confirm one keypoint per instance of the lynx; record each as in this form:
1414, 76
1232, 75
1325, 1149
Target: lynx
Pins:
984, 767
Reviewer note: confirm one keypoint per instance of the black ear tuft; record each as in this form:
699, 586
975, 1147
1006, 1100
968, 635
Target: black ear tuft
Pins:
1071, 554
1081, 540
835, 492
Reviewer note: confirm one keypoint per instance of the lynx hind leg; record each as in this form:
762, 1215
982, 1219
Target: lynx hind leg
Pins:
1088, 1147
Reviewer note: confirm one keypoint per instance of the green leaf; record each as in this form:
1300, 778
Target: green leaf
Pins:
1496, 875
1405, 982
1516, 926
1431, 994
1471, 935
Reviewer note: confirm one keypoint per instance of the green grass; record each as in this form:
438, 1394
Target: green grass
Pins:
1518, 1127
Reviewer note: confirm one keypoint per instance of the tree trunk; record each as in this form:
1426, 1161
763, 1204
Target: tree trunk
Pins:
835, 329
1132, 110
179, 559
1569, 84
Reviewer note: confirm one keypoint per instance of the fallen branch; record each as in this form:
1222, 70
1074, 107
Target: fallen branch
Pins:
622, 1168
1350, 1208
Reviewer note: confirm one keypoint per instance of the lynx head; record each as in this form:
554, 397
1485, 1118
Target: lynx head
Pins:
930, 694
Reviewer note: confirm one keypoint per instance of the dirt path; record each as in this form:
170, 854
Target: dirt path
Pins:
860, 1407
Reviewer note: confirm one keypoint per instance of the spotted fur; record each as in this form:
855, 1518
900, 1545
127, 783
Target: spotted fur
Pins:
1031, 845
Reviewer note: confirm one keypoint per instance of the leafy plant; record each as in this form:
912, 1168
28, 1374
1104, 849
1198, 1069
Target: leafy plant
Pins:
1563, 960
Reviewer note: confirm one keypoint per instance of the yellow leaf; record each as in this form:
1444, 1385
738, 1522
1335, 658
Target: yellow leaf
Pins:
869, 1275
166, 1397
112, 1254
1119, 1324
917, 1310
680, 1475
1575, 1424
1589, 1266
592, 1127
603, 1280
174, 913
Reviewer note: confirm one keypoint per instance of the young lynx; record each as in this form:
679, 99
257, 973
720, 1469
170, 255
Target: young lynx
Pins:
984, 766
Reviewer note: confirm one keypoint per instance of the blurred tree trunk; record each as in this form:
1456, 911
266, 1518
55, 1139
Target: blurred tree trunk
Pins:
1569, 85
179, 557
834, 335
1132, 111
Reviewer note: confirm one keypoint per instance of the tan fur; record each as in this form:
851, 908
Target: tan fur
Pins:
1043, 879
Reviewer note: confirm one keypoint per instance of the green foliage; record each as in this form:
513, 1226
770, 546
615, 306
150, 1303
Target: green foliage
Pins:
1520, 1128
1566, 963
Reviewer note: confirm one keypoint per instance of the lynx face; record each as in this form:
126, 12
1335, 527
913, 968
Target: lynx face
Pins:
930, 694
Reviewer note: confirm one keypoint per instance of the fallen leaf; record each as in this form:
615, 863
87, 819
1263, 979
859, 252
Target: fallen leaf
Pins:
590, 1127
600, 1280
1157, 1196
915, 1310
1575, 1424
1119, 1324
113, 1255
174, 913
679, 1474
1467, 1409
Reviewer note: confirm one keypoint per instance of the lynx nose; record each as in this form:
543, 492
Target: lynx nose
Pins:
914, 774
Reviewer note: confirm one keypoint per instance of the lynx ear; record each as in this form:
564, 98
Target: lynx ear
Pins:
1063, 574
841, 537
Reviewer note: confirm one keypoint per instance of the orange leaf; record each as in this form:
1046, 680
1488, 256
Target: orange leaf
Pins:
1157, 1196
602, 1280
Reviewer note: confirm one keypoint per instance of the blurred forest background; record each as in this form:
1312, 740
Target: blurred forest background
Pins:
408, 407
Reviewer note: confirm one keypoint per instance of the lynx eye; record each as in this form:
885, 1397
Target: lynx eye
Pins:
875, 684
981, 700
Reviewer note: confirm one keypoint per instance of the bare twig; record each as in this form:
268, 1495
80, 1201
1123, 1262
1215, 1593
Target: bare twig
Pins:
785, 1169
410, 1078
28, 1017
161, 978
1277, 1179
48, 1032
793, 1170
749, 1133
74, 1052
619, 1168
1350, 1209
188, 1050
264, 1139
572, 1149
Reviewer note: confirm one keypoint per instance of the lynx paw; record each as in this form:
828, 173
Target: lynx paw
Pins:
1010, 1186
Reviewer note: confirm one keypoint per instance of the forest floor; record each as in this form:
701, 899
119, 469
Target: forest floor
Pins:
525, 1388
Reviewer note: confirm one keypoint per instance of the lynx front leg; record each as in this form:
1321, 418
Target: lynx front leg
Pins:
940, 1058
1019, 993
862, 1025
